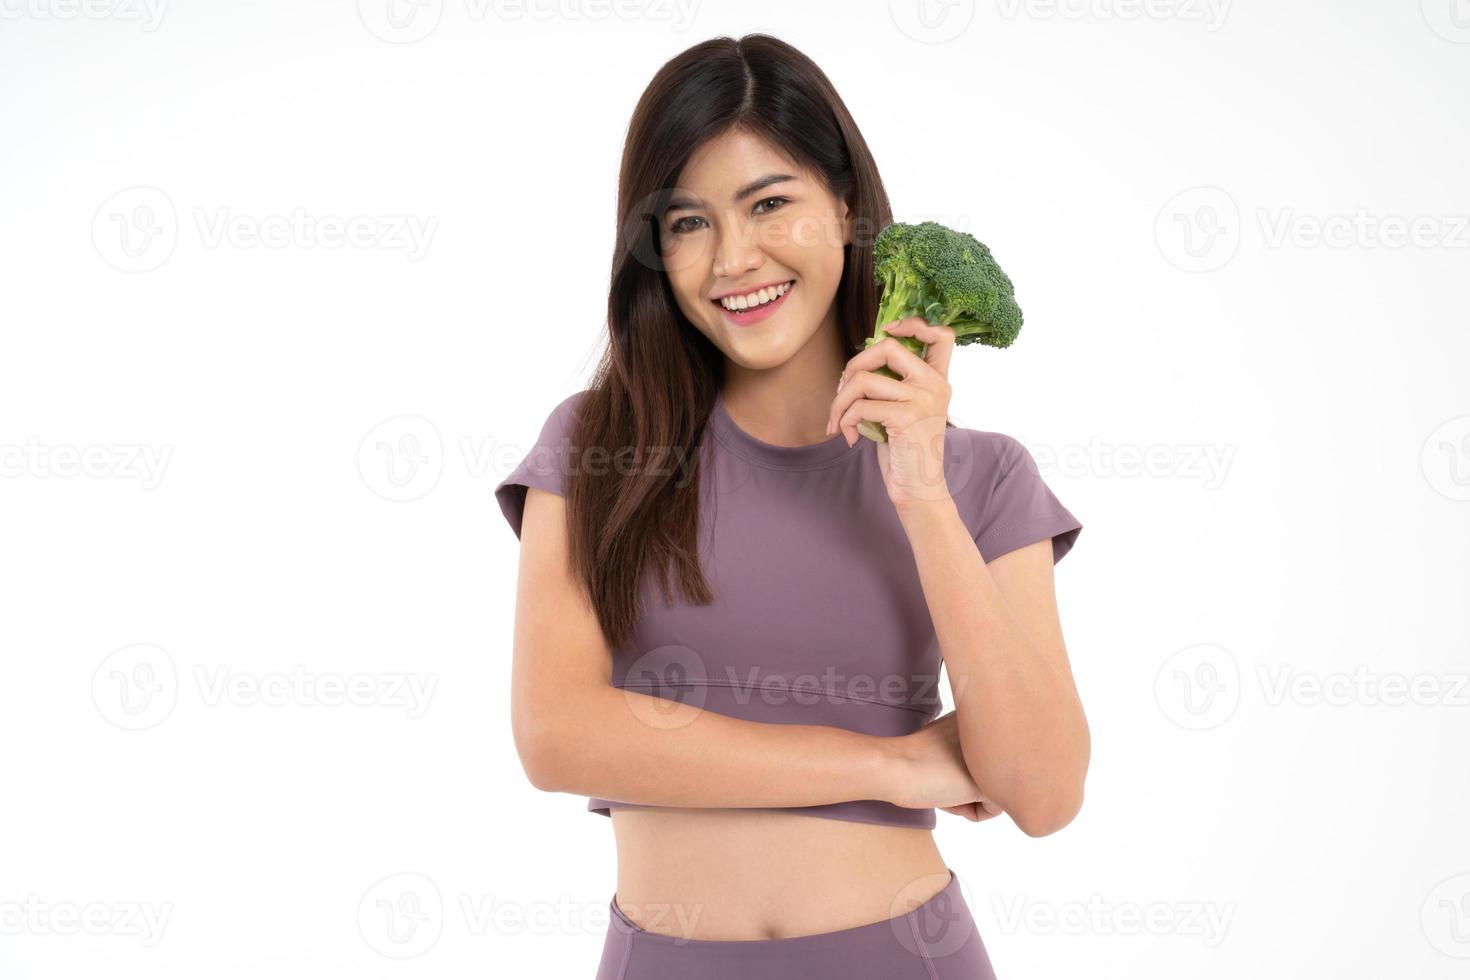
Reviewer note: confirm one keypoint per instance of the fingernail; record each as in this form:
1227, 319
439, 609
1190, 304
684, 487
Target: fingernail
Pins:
841, 380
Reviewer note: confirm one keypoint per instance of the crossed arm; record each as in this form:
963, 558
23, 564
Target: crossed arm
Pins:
576, 733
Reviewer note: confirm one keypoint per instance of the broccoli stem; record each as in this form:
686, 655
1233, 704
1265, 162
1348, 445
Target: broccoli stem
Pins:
895, 307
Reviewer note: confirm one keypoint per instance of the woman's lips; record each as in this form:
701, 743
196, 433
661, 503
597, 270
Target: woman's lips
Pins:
756, 314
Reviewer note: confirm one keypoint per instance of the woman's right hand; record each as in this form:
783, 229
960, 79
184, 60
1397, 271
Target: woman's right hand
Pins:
931, 772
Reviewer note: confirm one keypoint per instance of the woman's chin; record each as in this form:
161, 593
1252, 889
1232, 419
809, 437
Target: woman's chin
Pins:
761, 352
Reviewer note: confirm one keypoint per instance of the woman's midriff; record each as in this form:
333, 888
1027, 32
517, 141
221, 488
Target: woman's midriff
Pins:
744, 874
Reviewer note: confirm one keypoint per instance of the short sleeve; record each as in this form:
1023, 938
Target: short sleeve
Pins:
1019, 508
546, 465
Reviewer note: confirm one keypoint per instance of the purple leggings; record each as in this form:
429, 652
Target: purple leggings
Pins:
936, 941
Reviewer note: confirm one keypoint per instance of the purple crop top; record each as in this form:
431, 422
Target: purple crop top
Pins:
818, 616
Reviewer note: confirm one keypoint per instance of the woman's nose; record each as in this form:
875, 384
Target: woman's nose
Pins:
736, 254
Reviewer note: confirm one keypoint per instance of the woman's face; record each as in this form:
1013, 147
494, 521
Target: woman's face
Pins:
732, 228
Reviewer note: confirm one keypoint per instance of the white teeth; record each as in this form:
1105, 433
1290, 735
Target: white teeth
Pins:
757, 298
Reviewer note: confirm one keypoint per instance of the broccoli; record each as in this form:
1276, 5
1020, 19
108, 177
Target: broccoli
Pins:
947, 277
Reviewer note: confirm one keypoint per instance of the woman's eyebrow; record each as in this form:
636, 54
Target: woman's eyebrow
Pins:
759, 184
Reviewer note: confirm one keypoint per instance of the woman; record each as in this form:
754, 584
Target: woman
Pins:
764, 737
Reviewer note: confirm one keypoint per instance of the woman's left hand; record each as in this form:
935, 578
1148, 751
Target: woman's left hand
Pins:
912, 407
974, 812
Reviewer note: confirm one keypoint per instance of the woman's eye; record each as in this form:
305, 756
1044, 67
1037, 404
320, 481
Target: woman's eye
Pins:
681, 226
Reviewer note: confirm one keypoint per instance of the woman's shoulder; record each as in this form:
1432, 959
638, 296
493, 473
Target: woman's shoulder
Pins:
989, 450
567, 407
547, 463
1003, 495
559, 420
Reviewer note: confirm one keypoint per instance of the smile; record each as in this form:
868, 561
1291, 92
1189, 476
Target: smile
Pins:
756, 306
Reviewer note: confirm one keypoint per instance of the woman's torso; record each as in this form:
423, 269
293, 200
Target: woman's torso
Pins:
816, 593
746, 874
818, 617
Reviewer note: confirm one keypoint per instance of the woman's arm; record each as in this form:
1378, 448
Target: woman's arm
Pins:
1022, 727
575, 733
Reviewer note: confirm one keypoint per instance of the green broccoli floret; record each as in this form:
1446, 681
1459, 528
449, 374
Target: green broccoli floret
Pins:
947, 277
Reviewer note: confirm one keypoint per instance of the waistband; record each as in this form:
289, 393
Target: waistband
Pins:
938, 938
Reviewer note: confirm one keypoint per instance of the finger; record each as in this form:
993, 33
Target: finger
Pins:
892, 354
893, 415
921, 329
941, 339
861, 385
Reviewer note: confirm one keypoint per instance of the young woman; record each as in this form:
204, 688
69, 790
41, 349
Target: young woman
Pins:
764, 736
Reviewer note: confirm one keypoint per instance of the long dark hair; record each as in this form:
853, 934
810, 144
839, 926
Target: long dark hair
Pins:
655, 385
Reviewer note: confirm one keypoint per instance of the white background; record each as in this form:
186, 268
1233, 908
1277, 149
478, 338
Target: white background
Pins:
1238, 609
